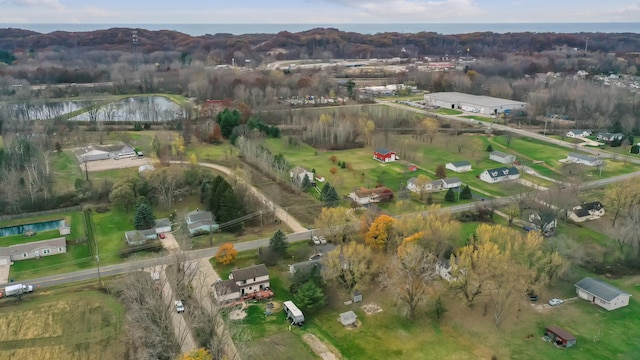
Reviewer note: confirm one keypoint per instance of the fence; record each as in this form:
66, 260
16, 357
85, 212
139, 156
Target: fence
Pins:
40, 213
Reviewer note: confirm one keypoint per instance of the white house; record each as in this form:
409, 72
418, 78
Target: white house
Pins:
32, 250
583, 159
451, 183
587, 211
499, 175
577, 133
501, 157
459, 166
609, 136
140, 237
254, 278
163, 226
443, 268
200, 222
602, 294
298, 174
226, 291
434, 185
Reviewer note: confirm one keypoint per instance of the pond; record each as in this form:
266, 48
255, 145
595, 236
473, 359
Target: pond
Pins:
139, 108
36, 227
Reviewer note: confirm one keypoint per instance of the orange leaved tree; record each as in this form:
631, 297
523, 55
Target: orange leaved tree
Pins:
226, 253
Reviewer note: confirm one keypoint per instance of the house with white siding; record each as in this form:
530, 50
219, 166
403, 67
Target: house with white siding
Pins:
32, 250
501, 174
602, 294
502, 158
459, 166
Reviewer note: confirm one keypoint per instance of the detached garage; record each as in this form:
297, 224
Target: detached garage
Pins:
602, 294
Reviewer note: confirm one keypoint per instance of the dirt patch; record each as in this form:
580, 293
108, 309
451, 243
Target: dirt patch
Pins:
237, 314
371, 309
110, 164
323, 350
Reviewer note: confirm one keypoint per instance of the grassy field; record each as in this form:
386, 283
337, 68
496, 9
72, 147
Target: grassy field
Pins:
72, 322
479, 118
66, 171
446, 111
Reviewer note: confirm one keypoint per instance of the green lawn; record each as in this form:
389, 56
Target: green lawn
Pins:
446, 111
68, 322
479, 118
66, 171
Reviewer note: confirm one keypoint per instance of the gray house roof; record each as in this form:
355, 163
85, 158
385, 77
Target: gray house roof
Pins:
199, 215
451, 180
461, 163
600, 289
249, 273
225, 287
164, 222
500, 154
584, 157
30, 246
502, 171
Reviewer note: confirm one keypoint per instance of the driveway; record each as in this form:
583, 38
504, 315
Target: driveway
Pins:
110, 164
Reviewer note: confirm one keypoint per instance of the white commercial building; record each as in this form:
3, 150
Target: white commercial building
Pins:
473, 103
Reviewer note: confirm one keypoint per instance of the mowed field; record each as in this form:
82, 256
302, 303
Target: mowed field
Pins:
71, 323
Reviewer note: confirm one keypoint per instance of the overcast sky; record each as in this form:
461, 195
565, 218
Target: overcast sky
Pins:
316, 11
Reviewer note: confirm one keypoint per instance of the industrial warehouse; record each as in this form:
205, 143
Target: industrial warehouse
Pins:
473, 103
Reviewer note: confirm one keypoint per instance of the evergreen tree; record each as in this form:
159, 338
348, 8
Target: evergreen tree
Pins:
144, 218
331, 198
450, 196
490, 148
635, 149
228, 120
278, 243
466, 193
630, 138
306, 183
215, 198
309, 297
230, 209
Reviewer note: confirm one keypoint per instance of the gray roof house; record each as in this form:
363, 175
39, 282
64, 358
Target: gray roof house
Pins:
459, 166
140, 237
583, 159
501, 157
314, 261
250, 279
500, 174
163, 225
602, 294
32, 250
200, 222
450, 183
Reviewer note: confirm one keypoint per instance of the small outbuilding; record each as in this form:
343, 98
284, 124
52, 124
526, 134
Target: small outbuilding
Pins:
602, 294
501, 157
348, 318
385, 155
459, 166
560, 336
583, 159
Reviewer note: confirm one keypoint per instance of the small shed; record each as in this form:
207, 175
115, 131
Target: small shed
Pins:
357, 296
560, 336
348, 318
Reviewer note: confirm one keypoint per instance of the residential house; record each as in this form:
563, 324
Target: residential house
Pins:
587, 211
163, 226
577, 133
443, 268
226, 291
200, 222
250, 279
385, 155
500, 175
451, 183
583, 159
602, 294
298, 174
459, 166
434, 185
609, 136
547, 225
364, 196
501, 157
140, 237
32, 250
314, 261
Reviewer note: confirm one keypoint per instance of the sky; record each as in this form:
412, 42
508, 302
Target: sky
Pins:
316, 11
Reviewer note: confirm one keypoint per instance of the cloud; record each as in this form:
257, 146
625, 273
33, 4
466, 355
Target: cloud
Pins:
412, 10
629, 13
95, 11
53, 4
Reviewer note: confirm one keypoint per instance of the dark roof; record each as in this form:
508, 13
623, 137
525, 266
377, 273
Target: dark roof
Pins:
460, 163
163, 222
582, 157
199, 215
202, 223
596, 205
561, 333
249, 273
582, 212
600, 289
502, 171
225, 287
382, 151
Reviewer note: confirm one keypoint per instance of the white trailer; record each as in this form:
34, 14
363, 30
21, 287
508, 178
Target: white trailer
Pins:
293, 313
17, 289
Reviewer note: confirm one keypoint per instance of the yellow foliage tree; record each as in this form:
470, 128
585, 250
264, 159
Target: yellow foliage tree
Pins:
378, 234
335, 223
408, 242
198, 354
193, 160
226, 253
177, 148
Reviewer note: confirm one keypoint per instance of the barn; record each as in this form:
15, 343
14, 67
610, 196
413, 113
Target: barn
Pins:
473, 103
385, 155
602, 294
560, 336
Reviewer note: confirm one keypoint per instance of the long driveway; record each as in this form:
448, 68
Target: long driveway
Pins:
280, 213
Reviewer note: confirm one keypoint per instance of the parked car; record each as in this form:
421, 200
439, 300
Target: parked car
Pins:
323, 240
316, 240
555, 302
532, 296
179, 307
162, 235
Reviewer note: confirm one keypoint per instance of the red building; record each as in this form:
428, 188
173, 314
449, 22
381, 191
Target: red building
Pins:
384, 155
